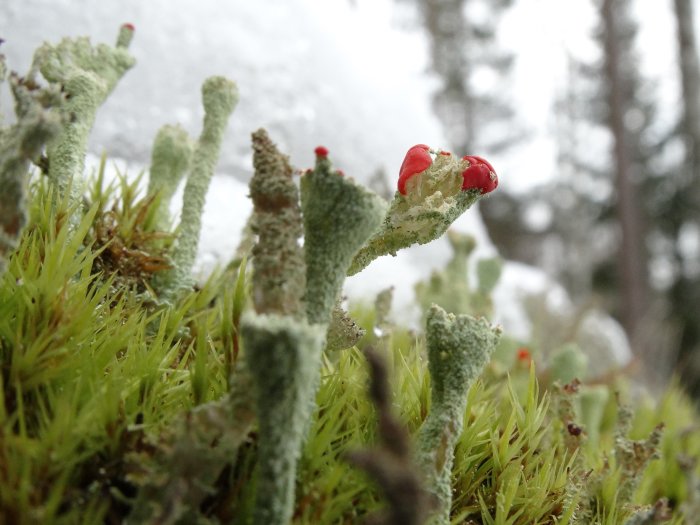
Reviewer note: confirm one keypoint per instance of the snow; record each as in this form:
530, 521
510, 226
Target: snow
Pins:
307, 73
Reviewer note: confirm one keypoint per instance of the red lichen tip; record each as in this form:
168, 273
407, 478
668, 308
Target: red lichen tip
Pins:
416, 161
340, 172
129, 26
524, 355
479, 175
445, 153
321, 151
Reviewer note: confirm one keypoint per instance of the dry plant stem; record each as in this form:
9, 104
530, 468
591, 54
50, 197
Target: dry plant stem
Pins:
391, 463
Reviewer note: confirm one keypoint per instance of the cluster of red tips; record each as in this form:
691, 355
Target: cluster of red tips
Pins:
129, 26
479, 175
321, 151
417, 160
524, 355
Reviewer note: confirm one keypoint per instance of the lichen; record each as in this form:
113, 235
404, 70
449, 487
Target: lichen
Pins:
459, 347
278, 260
38, 121
219, 97
170, 160
339, 217
433, 200
86, 74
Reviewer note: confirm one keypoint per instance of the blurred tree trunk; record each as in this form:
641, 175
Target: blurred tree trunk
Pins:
685, 207
631, 258
690, 81
449, 38
462, 35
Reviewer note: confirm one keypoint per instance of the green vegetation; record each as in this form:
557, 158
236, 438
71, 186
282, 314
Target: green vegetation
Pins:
245, 399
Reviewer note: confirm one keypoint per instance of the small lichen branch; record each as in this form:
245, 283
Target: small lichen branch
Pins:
86, 74
631, 456
653, 515
278, 261
459, 347
391, 463
38, 121
339, 217
219, 97
176, 472
451, 289
170, 161
434, 189
342, 332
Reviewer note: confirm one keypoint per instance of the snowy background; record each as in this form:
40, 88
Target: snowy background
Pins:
351, 75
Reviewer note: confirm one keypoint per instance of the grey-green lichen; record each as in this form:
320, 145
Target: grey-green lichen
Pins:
37, 122
567, 363
339, 217
342, 332
651, 515
170, 160
283, 355
279, 274
219, 97
593, 399
459, 347
86, 74
176, 472
632, 456
451, 287
432, 202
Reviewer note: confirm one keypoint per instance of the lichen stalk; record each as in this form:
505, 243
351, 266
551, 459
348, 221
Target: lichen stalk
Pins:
279, 272
283, 355
37, 123
459, 347
339, 217
282, 350
170, 160
219, 97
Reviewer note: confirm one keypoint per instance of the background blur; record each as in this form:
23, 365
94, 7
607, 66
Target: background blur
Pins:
588, 109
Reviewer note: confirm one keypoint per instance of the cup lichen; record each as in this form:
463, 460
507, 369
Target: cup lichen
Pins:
459, 347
